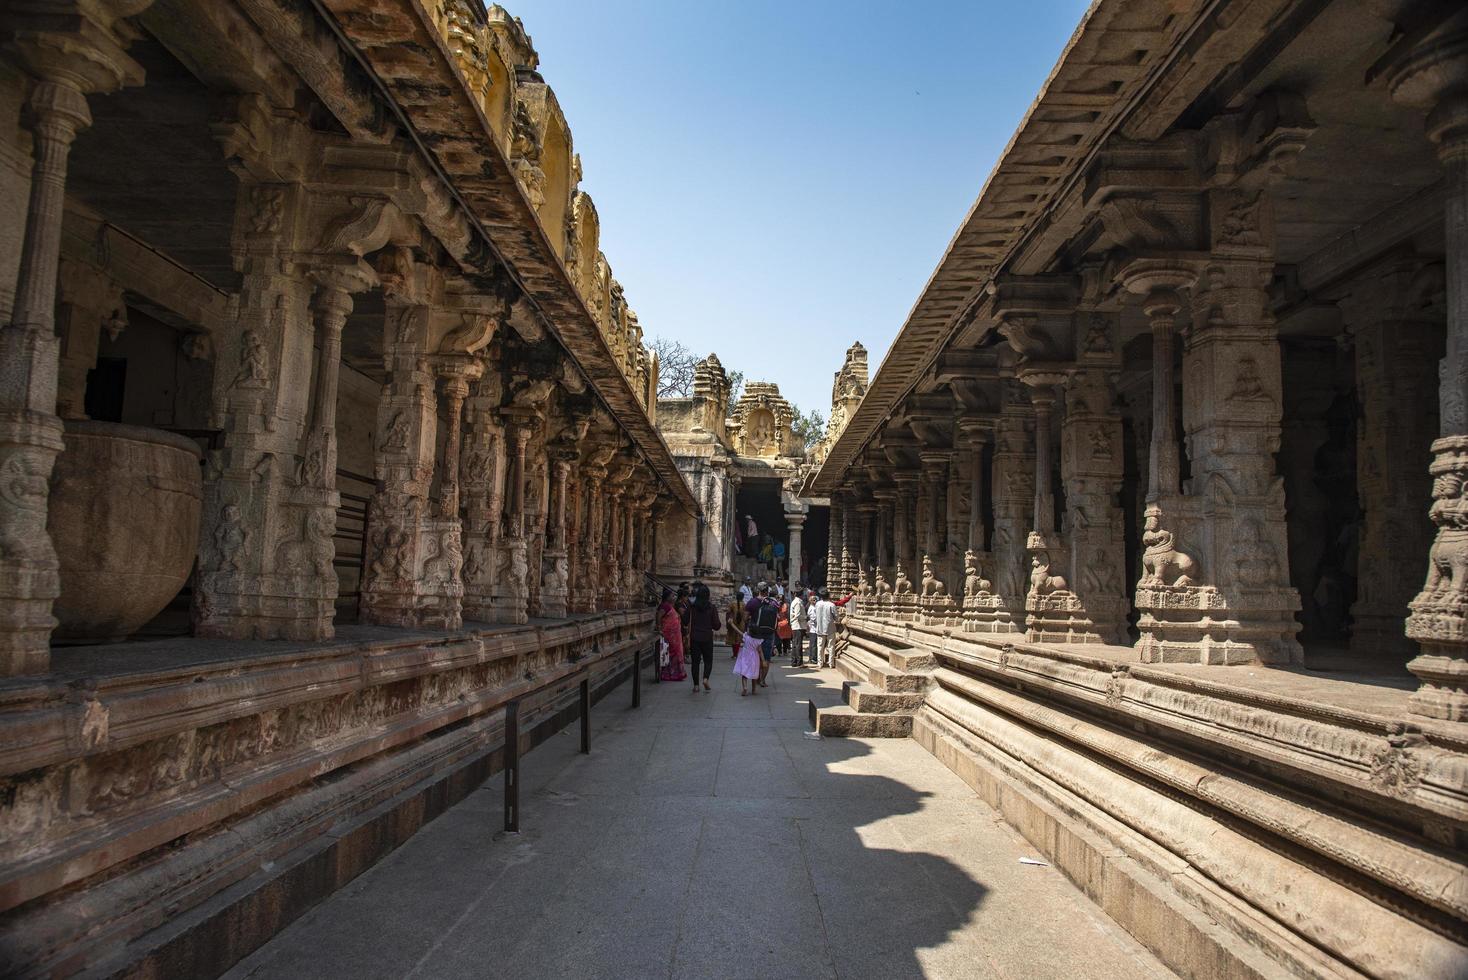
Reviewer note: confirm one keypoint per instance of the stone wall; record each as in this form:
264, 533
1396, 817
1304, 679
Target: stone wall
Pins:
249, 754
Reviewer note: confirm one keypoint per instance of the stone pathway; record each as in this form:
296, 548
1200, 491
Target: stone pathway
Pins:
705, 836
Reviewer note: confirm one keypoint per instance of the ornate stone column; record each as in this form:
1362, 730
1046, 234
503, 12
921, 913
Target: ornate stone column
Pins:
68, 63
1432, 72
1053, 613
483, 471
406, 535
511, 598
1091, 465
794, 522
555, 574
1397, 344
1013, 481
866, 515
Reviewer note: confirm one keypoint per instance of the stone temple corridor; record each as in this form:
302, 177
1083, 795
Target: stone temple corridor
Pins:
706, 836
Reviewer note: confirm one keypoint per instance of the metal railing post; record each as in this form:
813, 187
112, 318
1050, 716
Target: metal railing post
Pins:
512, 767
586, 715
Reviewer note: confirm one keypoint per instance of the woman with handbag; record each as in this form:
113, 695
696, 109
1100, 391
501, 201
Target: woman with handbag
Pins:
670, 629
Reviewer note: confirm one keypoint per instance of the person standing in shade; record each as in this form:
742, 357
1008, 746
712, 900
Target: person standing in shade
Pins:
823, 625
670, 627
783, 631
799, 624
703, 623
746, 591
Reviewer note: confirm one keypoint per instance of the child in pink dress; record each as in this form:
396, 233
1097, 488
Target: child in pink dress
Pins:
746, 667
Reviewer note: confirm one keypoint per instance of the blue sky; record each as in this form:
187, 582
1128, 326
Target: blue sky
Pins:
776, 180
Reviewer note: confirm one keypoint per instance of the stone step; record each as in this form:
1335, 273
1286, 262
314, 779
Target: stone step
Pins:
912, 658
842, 720
868, 700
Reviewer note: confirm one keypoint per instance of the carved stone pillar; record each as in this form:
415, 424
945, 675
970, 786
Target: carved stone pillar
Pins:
511, 598
794, 522
555, 573
866, 515
1095, 536
1433, 73
1053, 613
266, 563
1397, 344
406, 534
483, 474
833, 546
30, 432
1014, 504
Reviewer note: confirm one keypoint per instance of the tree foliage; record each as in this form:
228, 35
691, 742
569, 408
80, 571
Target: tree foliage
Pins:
675, 367
810, 427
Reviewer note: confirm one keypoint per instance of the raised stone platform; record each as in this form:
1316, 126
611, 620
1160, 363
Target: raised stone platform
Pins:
1240, 821
171, 805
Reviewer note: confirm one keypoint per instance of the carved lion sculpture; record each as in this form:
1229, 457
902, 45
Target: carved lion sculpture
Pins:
1447, 569
932, 585
974, 582
881, 586
1041, 581
1163, 563
553, 582
901, 585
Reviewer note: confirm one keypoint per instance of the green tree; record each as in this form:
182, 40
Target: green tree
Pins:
810, 427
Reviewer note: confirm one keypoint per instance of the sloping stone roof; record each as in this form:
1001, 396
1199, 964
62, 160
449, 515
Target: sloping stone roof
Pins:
400, 46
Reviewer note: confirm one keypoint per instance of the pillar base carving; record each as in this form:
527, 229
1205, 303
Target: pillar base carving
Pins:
554, 596
510, 602
30, 574
415, 575
1439, 614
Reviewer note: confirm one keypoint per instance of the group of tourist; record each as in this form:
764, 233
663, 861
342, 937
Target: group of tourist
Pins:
760, 621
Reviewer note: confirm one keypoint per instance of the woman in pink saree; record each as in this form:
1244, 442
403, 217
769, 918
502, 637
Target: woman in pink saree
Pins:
670, 628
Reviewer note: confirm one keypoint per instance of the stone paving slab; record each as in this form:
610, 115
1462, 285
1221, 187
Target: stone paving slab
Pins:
706, 836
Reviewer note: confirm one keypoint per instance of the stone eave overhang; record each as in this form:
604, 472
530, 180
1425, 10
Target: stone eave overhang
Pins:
1156, 74
397, 43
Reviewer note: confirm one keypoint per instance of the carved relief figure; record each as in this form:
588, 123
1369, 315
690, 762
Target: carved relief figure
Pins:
557, 574
1041, 581
901, 585
23, 491
1101, 451
1248, 386
1447, 570
1163, 563
515, 569
1254, 557
230, 538
396, 439
253, 372
443, 567
932, 585
389, 557
881, 586
974, 582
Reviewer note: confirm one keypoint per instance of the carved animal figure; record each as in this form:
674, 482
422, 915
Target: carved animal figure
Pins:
557, 574
443, 568
881, 586
516, 569
974, 582
1447, 570
387, 562
253, 372
1041, 581
901, 585
1163, 563
932, 585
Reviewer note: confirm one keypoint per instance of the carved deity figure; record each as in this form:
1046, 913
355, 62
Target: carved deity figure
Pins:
1253, 557
516, 569
1163, 563
1041, 581
932, 585
389, 556
1447, 570
974, 582
229, 539
253, 372
901, 585
396, 439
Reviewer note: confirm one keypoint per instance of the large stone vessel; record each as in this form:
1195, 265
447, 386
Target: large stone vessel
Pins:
125, 519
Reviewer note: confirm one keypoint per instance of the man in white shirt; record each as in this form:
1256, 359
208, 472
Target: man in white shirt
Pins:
823, 625
746, 592
799, 624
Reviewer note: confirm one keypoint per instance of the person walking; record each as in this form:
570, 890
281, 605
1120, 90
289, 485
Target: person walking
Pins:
783, 631
734, 623
763, 614
703, 623
799, 624
670, 628
823, 625
747, 665
746, 591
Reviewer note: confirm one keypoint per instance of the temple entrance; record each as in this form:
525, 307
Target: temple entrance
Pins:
764, 555
815, 542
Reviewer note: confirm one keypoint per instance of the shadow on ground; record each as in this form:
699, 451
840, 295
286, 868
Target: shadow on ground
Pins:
706, 836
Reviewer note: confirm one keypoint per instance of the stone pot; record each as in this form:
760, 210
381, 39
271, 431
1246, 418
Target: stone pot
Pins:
124, 517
